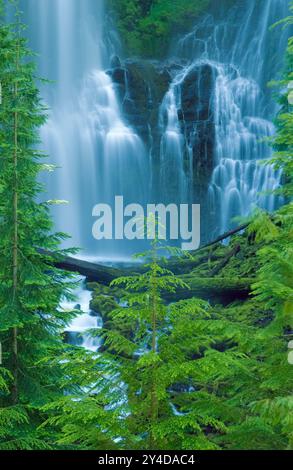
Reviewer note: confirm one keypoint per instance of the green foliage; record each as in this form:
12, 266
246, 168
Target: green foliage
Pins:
193, 376
103, 304
31, 324
187, 375
89, 417
146, 26
183, 376
274, 290
274, 285
283, 142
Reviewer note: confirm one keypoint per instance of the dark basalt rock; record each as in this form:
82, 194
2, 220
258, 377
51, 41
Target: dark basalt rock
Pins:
73, 337
141, 86
115, 62
118, 75
198, 126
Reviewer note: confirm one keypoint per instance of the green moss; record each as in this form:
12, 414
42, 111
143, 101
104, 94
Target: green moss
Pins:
146, 26
103, 304
100, 289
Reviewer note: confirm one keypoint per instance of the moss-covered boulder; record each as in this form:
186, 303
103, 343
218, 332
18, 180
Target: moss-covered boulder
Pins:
101, 289
104, 305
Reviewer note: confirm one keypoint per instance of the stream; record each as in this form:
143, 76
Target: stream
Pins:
77, 332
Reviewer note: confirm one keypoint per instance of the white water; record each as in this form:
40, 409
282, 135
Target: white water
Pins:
173, 178
79, 330
245, 54
240, 181
98, 156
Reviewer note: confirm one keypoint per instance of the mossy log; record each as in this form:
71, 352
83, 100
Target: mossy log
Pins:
92, 271
217, 288
106, 274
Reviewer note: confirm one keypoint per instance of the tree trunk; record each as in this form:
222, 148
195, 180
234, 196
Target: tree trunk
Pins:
154, 312
15, 244
224, 289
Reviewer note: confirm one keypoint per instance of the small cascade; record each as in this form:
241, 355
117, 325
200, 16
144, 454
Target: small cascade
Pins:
240, 180
244, 54
173, 177
77, 332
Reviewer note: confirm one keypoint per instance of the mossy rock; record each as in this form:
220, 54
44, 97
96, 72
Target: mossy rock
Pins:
100, 289
104, 305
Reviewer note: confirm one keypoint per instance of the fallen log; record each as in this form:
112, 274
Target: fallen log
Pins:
225, 261
106, 274
177, 265
93, 272
212, 289
224, 236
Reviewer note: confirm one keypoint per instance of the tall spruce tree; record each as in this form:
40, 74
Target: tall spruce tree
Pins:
31, 324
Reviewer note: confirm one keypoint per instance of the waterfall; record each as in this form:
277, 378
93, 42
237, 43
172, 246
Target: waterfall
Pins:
236, 42
97, 155
214, 120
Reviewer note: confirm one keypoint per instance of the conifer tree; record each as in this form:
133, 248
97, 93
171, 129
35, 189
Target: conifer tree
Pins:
170, 363
31, 324
142, 367
274, 286
182, 376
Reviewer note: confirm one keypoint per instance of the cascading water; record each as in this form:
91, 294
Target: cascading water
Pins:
229, 56
78, 332
213, 159
239, 180
173, 177
98, 155
244, 55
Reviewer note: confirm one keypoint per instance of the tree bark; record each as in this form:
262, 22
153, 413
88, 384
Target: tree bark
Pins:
154, 313
15, 243
93, 272
225, 289
224, 236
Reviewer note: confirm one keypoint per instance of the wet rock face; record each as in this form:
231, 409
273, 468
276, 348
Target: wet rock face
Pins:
197, 118
115, 62
141, 86
72, 337
198, 125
